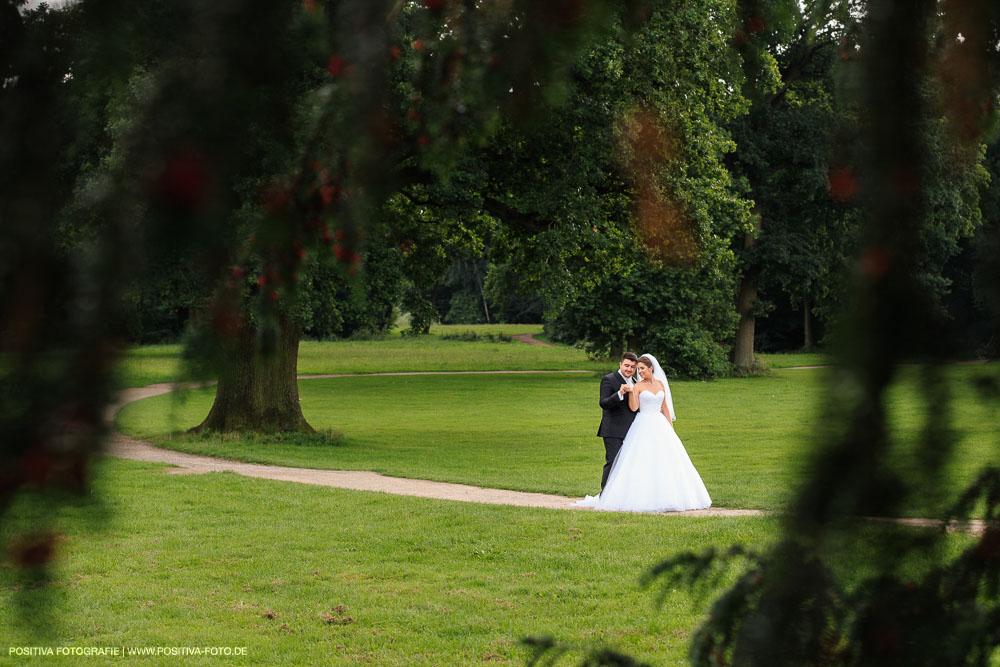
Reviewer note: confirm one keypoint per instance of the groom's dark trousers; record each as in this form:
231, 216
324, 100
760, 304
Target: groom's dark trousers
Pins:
615, 420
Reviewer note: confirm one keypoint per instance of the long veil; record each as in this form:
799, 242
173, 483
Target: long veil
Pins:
658, 374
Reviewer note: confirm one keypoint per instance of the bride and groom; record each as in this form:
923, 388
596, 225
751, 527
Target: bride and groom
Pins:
646, 467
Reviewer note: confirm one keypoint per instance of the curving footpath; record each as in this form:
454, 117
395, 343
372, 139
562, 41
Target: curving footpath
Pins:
122, 446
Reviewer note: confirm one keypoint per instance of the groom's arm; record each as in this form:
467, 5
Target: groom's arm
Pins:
610, 398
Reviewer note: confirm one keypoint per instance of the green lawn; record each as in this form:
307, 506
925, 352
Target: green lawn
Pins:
310, 575
161, 363
790, 359
495, 329
747, 437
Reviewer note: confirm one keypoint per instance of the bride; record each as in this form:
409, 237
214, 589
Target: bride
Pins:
652, 472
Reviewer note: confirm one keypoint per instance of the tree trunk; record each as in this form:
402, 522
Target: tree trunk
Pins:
743, 356
430, 306
807, 342
258, 389
482, 294
617, 350
631, 345
743, 347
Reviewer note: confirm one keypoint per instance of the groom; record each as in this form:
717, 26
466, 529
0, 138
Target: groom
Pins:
617, 417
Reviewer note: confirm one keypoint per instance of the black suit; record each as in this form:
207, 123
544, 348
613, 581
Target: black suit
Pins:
616, 419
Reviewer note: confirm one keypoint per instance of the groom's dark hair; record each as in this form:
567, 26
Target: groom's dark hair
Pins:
630, 355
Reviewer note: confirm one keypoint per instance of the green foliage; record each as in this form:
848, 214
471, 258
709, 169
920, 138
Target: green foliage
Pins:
801, 160
676, 313
510, 300
973, 274
337, 306
635, 158
796, 159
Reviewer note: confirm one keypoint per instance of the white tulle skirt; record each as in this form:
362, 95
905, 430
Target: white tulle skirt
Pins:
652, 472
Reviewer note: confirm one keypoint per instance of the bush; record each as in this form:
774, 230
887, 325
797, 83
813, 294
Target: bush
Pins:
685, 317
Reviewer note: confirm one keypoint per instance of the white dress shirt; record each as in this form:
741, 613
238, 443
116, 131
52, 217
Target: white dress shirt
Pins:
628, 381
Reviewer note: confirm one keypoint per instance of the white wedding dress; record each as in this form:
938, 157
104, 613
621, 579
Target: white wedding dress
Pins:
652, 472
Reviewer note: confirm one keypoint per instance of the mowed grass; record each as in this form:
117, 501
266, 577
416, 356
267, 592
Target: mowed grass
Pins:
486, 329
780, 360
749, 438
150, 364
309, 575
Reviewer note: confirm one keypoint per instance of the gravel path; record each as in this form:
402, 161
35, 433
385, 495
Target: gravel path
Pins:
122, 446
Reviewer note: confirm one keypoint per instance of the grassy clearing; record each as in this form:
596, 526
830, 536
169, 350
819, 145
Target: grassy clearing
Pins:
161, 363
790, 359
495, 329
305, 575
308, 575
748, 438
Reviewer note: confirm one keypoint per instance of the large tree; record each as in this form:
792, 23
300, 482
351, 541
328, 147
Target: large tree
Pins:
800, 161
618, 208
786, 151
355, 118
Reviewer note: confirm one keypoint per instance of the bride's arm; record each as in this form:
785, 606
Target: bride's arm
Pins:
663, 405
633, 398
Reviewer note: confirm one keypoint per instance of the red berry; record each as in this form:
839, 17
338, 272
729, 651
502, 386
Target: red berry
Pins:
875, 262
184, 180
274, 295
423, 140
261, 281
326, 193
394, 54
276, 198
418, 44
335, 66
237, 272
843, 184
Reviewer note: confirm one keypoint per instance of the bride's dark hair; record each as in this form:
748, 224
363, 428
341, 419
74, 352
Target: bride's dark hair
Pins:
645, 361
